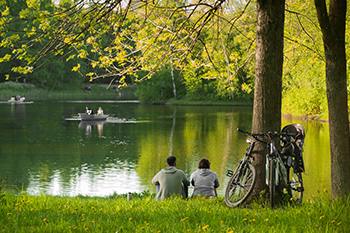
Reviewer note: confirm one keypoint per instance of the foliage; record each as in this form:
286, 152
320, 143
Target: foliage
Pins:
193, 84
25, 213
212, 47
116, 46
55, 76
304, 85
19, 57
159, 88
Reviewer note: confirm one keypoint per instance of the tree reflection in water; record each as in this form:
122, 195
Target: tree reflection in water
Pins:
41, 151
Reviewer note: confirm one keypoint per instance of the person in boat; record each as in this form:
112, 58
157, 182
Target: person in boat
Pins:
171, 181
89, 111
204, 180
99, 111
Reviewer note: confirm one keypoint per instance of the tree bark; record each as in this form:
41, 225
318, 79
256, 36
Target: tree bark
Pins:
333, 31
268, 78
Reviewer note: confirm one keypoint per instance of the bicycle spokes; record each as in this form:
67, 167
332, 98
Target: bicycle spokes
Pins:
240, 185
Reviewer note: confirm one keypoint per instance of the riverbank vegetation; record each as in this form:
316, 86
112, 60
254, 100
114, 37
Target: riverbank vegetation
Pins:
88, 92
45, 213
97, 92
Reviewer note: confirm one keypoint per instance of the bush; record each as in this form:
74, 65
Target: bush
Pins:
159, 87
56, 75
15, 86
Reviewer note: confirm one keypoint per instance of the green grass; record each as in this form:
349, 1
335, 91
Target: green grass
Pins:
45, 213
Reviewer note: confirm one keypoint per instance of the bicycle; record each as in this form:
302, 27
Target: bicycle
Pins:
243, 179
284, 167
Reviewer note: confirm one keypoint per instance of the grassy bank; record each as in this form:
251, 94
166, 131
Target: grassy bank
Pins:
98, 92
25, 213
32, 93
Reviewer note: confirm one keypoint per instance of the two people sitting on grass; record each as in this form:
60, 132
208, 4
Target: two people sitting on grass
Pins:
170, 181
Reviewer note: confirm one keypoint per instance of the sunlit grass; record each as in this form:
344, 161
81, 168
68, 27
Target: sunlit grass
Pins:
26, 213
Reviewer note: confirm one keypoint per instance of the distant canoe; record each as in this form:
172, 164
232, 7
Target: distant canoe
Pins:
92, 117
19, 102
16, 100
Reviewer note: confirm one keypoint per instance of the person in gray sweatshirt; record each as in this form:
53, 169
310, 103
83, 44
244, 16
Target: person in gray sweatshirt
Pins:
204, 180
171, 181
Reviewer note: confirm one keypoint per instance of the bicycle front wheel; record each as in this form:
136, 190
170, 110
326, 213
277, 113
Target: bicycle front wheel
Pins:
240, 185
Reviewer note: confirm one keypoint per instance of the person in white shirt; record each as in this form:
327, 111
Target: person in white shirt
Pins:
99, 111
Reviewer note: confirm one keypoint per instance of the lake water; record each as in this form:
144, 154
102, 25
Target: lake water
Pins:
44, 148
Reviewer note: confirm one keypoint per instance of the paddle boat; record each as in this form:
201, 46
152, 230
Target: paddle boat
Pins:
17, 100
92, 117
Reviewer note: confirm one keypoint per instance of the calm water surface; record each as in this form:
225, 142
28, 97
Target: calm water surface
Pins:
44, 148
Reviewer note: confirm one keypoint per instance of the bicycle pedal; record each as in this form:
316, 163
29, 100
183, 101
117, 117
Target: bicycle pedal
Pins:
229, 173
300, 189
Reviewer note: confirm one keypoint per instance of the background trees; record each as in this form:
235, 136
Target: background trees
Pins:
132, 42
304, 90
332, 25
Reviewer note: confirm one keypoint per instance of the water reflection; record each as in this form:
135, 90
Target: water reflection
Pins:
42, 151
194, 133
89, 125
115, 179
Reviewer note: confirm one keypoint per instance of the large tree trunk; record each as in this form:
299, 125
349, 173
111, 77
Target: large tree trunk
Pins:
268, 78
333, 30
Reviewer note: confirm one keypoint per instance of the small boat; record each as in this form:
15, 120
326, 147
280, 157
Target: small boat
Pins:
92, 117
16, 99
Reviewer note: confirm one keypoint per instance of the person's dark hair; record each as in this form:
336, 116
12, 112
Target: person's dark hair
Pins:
171, 160
204, 163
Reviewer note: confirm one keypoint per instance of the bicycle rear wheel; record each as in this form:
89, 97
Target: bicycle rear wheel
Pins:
240, 185
272, 182
296, 187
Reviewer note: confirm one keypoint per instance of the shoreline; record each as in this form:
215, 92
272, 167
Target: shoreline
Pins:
99, 92
306, 117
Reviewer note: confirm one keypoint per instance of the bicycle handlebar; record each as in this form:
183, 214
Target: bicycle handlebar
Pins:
269, 134
254, 135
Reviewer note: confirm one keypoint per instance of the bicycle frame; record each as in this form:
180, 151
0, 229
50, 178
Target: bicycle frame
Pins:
248, 154
247, 157
280, 169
